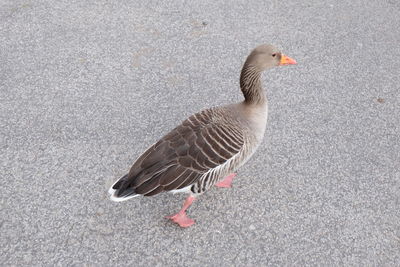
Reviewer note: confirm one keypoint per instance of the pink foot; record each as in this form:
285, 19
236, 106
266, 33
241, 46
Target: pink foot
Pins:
227, 182
181, 219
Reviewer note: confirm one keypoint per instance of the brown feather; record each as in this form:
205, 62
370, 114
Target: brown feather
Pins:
178, 182
183, 155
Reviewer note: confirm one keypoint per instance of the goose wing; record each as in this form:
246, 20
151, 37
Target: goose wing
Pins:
181, 157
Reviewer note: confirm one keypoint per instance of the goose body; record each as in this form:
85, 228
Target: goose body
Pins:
206, 147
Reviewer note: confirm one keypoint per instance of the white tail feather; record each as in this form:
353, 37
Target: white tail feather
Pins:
120, 199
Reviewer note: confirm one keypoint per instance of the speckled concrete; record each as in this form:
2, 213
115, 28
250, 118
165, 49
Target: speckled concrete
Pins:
86, 86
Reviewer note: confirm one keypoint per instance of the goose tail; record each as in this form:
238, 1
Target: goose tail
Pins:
121, 191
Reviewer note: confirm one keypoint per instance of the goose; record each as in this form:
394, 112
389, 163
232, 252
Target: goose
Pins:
208, 147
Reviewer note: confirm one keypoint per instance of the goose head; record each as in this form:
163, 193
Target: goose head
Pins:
267, 56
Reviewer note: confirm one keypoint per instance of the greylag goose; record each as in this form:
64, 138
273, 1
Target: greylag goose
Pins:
208, 147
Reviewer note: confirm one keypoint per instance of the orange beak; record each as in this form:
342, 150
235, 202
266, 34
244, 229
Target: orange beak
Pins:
285, 60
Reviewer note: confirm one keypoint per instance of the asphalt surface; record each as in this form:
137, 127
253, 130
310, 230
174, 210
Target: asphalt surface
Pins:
86, 86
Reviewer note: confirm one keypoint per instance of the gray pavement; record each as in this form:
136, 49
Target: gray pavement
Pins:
86, 86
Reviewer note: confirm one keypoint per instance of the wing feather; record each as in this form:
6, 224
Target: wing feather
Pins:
185, 154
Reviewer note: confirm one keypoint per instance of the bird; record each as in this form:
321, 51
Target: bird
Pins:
207, 148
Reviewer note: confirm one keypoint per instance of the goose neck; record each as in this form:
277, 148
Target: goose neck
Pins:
250, 84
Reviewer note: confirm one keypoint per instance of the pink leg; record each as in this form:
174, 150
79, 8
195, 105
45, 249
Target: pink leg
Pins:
181, 218
227, 182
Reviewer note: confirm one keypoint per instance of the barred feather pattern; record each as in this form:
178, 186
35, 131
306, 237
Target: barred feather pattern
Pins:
214, 175
250, 84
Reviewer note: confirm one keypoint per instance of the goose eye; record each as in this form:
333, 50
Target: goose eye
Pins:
274, 55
